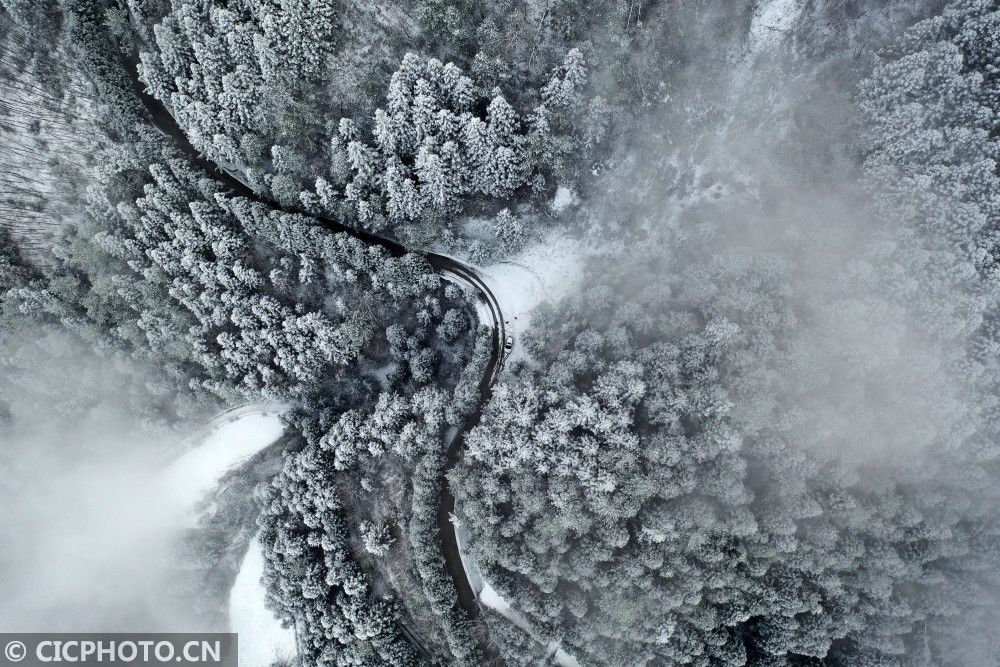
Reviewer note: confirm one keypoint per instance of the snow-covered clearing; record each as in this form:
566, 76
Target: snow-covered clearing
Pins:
196, 472
262, 640
544, 271
564, 199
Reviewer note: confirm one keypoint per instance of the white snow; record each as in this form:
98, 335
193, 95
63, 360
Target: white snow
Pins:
196, 472
564, 659
489, 597
231, 439
543, 271
262, 640
563, 199
771, 22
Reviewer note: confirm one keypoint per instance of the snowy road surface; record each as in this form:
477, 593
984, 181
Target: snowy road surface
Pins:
198, 471
262, 640
188, 480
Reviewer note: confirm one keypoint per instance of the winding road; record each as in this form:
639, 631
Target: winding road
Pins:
447, 267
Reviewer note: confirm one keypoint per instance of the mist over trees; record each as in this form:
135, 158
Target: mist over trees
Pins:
780, 446
716, 470
761, 429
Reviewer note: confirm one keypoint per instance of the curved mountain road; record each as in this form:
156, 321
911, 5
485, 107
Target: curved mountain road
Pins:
448, 267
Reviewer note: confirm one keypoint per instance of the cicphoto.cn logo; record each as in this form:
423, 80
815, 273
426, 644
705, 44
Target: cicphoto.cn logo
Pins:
203, 649
15, 651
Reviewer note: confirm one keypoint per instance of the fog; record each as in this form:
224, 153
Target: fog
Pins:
741, 190
857, 368
752, 161
87, 526
87, 548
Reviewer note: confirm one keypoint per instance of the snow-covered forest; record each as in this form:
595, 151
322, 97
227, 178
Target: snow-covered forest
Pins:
504, 332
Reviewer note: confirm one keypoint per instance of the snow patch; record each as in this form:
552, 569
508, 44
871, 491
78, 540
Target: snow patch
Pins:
544, 271
262, 639
564, 199
196, 472
771, 22
490, 598
564, 659
232, 438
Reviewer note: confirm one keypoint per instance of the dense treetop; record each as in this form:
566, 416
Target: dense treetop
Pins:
762, 431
